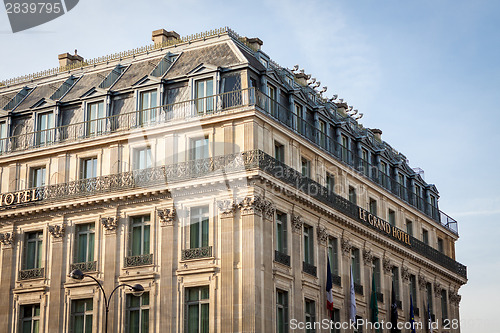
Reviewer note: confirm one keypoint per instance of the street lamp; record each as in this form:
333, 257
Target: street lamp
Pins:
136, 288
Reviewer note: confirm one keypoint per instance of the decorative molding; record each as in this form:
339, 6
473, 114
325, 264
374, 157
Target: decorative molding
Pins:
251, 205
57, 231
422, 281
387, 265
166, 215
367, 256
346, 247
297, 223
269, 210
405, 274
109, 223
437, 289
322, 235
226, 207
455, 298
7, 238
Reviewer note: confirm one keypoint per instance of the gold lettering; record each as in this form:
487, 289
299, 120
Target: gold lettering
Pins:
362, 215
27, 196
1, 200
9, 199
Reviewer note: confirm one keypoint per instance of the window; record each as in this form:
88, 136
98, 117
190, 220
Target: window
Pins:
373, 206
30, 318
306, 167
88, 168
384, 179
418, 196
395, 281
310, 314
345, 148
352, 195
364, 161
138, 313
336, 319
333, 255
425, 236
271, 92
330, 182
197, 310
142, 158
96, 122
204, 96
3, 137
413, 289
299, 125
392, 217
402, 189
139, 235
37, 177
376, 273
198, 228
281, 311
281, 232
147, 107
356, 268
199, 148
322, 133
440, 245
45, 126
444, 304
85, 240
33, 255
279, 152
81, 315
308, 245
409, 227
428, 291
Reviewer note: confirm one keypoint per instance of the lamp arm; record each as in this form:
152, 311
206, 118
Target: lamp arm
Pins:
118, 286
100, 286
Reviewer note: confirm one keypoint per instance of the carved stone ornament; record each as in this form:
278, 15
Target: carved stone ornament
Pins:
297, 223
367, 256
167, 215
109, 223
387, 265
57, 231
269, 209
346, 247
322, 235
437, 289
251, 205
455, 298
422, 281
405, 274
226, 206
7, 238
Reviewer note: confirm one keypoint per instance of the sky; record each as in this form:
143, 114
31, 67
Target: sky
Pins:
425, 72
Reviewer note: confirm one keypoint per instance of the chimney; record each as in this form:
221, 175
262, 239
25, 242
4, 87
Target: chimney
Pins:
254, 43
67, 59
302, 78
377, 133
161, 36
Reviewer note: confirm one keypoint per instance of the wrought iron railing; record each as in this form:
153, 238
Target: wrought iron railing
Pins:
337, 280
88, 266
196, 253
358, 288
380, 297
34, 273
282, 258
309, 268
141, 260
399, 304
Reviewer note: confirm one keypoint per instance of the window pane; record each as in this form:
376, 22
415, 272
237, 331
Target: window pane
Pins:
145, 321
194, 235
134, 320
204, 241
91, 247
136, 241
193, 318
204, 318
82, 248
146, 240
88, 324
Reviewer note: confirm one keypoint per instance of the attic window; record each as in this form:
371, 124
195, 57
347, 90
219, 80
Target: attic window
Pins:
63, 89
112, 77
163, 66
17, 99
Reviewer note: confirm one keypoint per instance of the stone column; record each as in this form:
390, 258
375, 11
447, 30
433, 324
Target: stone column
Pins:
322, 237
387, 268
56, 313
168, 290
296, 258
268, 213
346, 247
368, 275
6, 276
110, 251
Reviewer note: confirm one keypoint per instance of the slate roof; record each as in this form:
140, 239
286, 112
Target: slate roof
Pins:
86, 83
37, 94
135, 72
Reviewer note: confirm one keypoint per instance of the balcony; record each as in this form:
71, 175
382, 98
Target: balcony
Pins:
29, 274
337, 280
141, 260
196, 253
89, 266
309, 269
282, 258
358, 288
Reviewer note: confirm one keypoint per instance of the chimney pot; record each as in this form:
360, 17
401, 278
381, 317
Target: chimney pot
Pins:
302, 78
66, 59
377, 133
254, 43
161, 36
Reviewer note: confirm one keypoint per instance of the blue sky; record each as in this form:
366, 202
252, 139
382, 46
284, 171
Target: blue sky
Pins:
425, 72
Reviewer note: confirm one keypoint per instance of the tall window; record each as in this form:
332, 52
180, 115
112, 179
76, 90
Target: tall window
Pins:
384, 179
88, 168
322, 133
199, 148
333, 255
330, 182
345, 148
45, 128
444, 304
85, 240
279, 152
352, 195
147, 107
364, 161
409, 227
428, 291
310, 314
142, 158
308, 245
335, 319
96, 122
440, 245
37, 177
204, 96
392, 217
299, 125
373, 206
413, 289
198, 228
395, 280
197, 310
3, 137
281, 311
418, 196
81, 315
376, 273
30, 318
138, 313
425, 236
281, 232
139, 235
356, 267
33, 255
306, 167
271, 91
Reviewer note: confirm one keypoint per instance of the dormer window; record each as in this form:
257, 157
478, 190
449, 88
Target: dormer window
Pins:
204, 91
147, 107
3, 137
96, 122
45, 128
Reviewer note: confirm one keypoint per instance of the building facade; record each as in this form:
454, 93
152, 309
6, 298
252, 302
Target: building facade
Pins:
222, 183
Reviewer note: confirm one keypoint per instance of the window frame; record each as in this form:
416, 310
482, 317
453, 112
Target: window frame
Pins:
356, 265
206, 103
39, 248
33, 319
88, 246
84, 167
308, 244
203, 222
279, 151
95, 126
333, 254
45, 135
281, 232
85, 314
310, 314
200, 302
283, 306
136, 158
202, 150
149, 114
305, 167
34, 177
143, 225
141, 308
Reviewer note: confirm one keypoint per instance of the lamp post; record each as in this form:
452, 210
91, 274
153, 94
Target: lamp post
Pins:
136, 288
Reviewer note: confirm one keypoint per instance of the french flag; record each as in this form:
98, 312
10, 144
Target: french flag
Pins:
329, 286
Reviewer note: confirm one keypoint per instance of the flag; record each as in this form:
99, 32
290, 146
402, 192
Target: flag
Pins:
412, 316
394, 310
352, 312
329, 286
429, 318
373, 301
